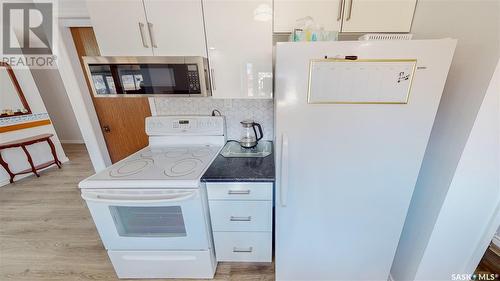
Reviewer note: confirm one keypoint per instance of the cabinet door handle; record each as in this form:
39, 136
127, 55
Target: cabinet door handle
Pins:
239, 192
341, 5
350, 10
212, 75
143, 37
152, 35
242, 250
232, 218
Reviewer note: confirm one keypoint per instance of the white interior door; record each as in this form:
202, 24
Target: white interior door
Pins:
346, 172
239, 36
120, 27
176, 27
378, 15
326, 13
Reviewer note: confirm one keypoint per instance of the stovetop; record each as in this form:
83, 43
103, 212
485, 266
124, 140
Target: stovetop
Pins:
151, 167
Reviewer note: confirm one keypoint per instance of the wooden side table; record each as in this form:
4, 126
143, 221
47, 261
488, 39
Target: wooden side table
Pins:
22, 143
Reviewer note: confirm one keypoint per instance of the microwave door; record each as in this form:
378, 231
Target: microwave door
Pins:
167, 79
131, 79
103, 80
148, 76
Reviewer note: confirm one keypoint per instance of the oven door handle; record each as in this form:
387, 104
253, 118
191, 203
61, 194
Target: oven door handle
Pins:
136, 199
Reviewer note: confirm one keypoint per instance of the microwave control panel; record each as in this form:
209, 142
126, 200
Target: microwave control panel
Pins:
193, 78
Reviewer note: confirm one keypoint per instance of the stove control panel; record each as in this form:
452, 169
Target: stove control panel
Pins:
185, 125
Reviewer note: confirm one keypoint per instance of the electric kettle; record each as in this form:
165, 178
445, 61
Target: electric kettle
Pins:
250, 138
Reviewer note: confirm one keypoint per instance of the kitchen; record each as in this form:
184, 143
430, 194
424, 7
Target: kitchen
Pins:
222, 144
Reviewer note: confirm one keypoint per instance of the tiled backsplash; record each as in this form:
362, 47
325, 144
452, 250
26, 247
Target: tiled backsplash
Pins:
235, 110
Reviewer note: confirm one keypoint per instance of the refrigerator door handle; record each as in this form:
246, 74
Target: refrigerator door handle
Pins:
284, 171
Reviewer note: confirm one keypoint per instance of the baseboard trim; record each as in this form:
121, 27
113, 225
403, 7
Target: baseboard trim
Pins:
496, 240
72, 141
6, 181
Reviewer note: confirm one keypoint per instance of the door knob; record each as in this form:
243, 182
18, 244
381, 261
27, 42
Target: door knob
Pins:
106, 129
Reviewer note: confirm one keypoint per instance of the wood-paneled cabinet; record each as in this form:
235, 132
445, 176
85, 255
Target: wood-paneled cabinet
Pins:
239, 38
346, 15
148, 27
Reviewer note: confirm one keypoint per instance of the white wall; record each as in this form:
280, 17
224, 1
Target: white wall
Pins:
73, 9
56, 101
469, 211
40, 152
476, 26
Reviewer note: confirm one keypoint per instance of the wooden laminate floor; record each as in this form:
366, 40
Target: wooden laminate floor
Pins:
47, 233
490, 263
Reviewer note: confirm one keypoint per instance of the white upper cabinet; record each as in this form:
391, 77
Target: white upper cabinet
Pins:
327, 13
120, 27
176, 27
378, 15
346, 15
239, 38
149, 27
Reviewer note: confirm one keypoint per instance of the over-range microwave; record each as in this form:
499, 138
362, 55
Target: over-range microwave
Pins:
148, 76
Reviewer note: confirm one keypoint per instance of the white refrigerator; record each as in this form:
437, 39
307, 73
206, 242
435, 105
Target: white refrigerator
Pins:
348, 154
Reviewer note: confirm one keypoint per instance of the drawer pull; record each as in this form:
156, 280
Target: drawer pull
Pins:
240, 250
249, 218
233, 192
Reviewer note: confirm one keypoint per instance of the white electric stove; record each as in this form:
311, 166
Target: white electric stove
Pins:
149, 208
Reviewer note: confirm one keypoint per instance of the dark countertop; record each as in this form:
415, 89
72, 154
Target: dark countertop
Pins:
252, 169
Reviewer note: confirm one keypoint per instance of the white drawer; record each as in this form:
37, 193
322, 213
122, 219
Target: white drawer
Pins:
163, 264
243, 246
241, 215
240, 191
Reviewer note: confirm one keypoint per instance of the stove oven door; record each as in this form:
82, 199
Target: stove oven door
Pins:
151, 219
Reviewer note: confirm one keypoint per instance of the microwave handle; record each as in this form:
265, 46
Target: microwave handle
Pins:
207, 80
212, 75
134, 199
